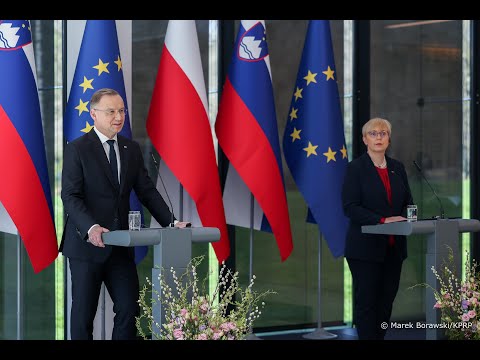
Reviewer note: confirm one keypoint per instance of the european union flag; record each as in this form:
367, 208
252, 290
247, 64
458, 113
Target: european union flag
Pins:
99, 65
314, 140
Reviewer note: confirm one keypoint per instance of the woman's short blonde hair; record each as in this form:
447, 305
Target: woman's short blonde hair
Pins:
382, 123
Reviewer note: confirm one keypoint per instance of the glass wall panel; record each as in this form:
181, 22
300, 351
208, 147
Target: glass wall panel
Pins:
8, 286
296, 279
39, 296
416, 83
36, 297
148, 37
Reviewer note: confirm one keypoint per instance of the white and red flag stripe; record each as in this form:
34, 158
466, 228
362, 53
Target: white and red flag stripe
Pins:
179, 128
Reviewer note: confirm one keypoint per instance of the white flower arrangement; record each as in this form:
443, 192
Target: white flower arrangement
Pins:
458, 300
191, 314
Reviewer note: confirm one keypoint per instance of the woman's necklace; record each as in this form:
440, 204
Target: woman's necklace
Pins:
383, 165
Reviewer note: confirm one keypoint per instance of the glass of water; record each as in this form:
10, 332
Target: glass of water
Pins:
134, 220
412, 213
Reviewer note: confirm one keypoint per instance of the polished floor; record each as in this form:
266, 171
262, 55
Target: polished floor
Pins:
401, 341
339, 333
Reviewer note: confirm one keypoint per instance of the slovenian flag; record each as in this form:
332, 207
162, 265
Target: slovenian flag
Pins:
247, 132
179, 128
24, 184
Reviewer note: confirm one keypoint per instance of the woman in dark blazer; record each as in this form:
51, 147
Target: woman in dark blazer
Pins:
375, 191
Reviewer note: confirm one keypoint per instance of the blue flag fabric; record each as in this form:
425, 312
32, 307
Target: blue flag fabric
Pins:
99, 65
314, 140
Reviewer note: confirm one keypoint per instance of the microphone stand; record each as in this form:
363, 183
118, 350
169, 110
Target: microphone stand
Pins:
442, 212
166, 192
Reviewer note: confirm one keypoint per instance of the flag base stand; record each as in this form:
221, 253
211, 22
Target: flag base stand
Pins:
320, 334
252, 336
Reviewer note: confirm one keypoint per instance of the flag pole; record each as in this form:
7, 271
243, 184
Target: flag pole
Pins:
251, 336
180, 211
19, 289
252, 209
320, 333
102, 312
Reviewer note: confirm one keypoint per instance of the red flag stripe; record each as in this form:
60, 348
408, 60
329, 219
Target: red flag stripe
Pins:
23, 197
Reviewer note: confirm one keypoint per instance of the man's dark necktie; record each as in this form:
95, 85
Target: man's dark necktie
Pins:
113, 161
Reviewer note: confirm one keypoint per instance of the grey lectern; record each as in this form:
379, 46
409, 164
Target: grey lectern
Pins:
440, 234
172, 249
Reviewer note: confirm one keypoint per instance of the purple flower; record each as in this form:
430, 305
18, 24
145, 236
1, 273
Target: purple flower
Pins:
465, 304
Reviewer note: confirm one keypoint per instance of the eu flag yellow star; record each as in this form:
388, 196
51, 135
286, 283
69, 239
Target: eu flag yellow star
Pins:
87, 127
330, 155
119, 63
295, 134
298, 94
87, 84
329, 72
310, 77
81, 107
293, 114
101, 67
310, 149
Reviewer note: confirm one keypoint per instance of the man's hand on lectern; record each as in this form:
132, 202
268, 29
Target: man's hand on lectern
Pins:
183, 224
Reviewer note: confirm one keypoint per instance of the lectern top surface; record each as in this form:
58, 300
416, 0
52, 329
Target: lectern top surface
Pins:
419, 227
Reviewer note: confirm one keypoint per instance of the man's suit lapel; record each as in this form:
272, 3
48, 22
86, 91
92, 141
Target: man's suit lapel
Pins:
123, 147
101, 157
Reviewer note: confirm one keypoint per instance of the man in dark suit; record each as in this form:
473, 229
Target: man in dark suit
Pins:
375, 191
100, 169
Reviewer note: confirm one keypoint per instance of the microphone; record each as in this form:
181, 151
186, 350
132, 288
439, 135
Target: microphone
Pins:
164, 188
442, 212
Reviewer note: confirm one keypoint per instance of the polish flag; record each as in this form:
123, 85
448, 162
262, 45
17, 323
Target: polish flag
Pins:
179, 128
